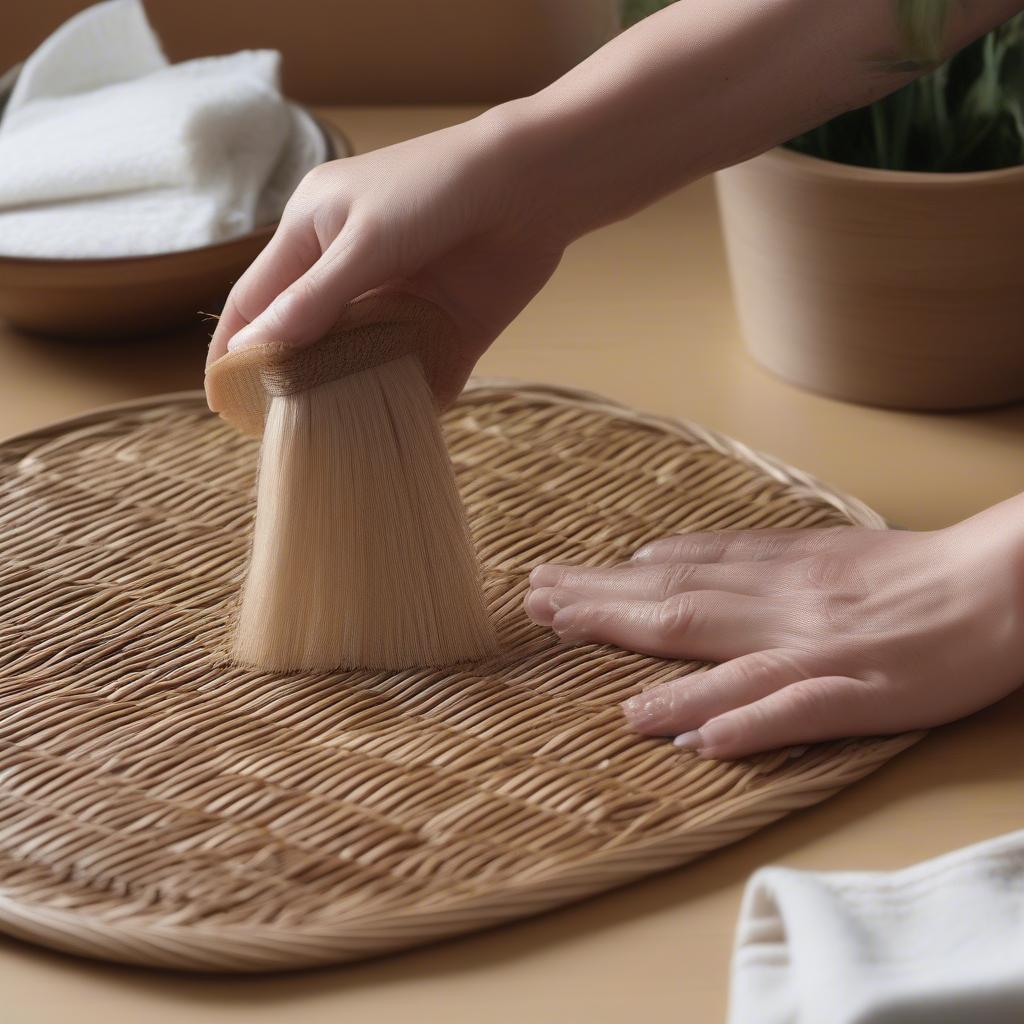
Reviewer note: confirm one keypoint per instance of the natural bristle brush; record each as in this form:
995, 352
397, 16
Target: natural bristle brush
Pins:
361, 554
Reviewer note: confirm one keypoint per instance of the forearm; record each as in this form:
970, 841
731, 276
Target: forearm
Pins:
704, 84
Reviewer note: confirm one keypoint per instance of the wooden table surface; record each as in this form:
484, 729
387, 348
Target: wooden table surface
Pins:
640, 311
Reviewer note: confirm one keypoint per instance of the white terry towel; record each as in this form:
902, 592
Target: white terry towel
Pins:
938, 943
106, 149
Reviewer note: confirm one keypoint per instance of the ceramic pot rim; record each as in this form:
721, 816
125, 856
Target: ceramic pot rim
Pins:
812, 166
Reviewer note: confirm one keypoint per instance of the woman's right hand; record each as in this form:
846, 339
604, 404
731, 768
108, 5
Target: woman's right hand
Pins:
446, 216
475, 217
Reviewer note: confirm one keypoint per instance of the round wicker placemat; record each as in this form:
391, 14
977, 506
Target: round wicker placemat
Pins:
160, 807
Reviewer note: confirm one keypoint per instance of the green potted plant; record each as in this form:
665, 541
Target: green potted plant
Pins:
880, 257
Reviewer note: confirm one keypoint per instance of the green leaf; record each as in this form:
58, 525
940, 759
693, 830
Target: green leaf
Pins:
922, 25
967, 115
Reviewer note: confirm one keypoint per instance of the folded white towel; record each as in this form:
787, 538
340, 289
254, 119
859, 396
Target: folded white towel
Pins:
106, 149
938, 943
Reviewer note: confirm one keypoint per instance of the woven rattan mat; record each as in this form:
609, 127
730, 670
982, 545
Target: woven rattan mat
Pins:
159, 807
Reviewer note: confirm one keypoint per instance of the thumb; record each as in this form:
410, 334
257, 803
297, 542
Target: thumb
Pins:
305, 310
830, 707
285, 258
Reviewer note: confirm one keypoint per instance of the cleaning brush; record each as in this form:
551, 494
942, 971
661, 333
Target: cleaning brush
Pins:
361, 555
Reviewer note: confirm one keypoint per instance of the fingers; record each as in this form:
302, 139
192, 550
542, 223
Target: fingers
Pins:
736, 546
685, 704
656, 582
704, 625
808, 711
542, 603
288, 255
308, 307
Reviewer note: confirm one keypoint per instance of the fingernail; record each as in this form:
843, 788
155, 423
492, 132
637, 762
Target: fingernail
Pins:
545, 575
568, 623
247, 337
533, 605
635, 710
689, 740
652, 711
561, 598
539, 605
545, 603
650, 552
715, 735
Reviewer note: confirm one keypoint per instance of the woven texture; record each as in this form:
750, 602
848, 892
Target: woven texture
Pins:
160, 807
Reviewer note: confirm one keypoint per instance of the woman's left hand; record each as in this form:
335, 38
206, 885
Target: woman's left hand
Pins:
818, 634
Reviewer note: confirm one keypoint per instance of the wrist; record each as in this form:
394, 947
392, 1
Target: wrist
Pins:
530, 147
993, 542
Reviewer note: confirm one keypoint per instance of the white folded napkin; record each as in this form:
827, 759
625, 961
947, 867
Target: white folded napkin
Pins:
106, 149
938, 943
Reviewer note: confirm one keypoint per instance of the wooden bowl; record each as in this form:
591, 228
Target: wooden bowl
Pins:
131, 294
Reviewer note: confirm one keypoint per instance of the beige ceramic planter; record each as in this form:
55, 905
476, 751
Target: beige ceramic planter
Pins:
886, 287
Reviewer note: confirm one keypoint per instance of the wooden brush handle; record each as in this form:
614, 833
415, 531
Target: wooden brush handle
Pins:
376, 329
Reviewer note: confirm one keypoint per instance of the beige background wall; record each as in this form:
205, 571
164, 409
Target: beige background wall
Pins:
366, 51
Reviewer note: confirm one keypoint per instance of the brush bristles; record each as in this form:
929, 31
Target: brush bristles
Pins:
361, 554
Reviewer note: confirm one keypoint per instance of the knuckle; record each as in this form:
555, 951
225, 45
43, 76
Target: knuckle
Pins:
806, 704
760, 664
675, 616
710, 546
293, 208
674, 549
316, 179
825, 538
766, 545
319, 199
672, 580
299, 293
717, 544
824, 572
837, 589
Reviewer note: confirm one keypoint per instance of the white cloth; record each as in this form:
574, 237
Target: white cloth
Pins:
106, 149
938, 943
